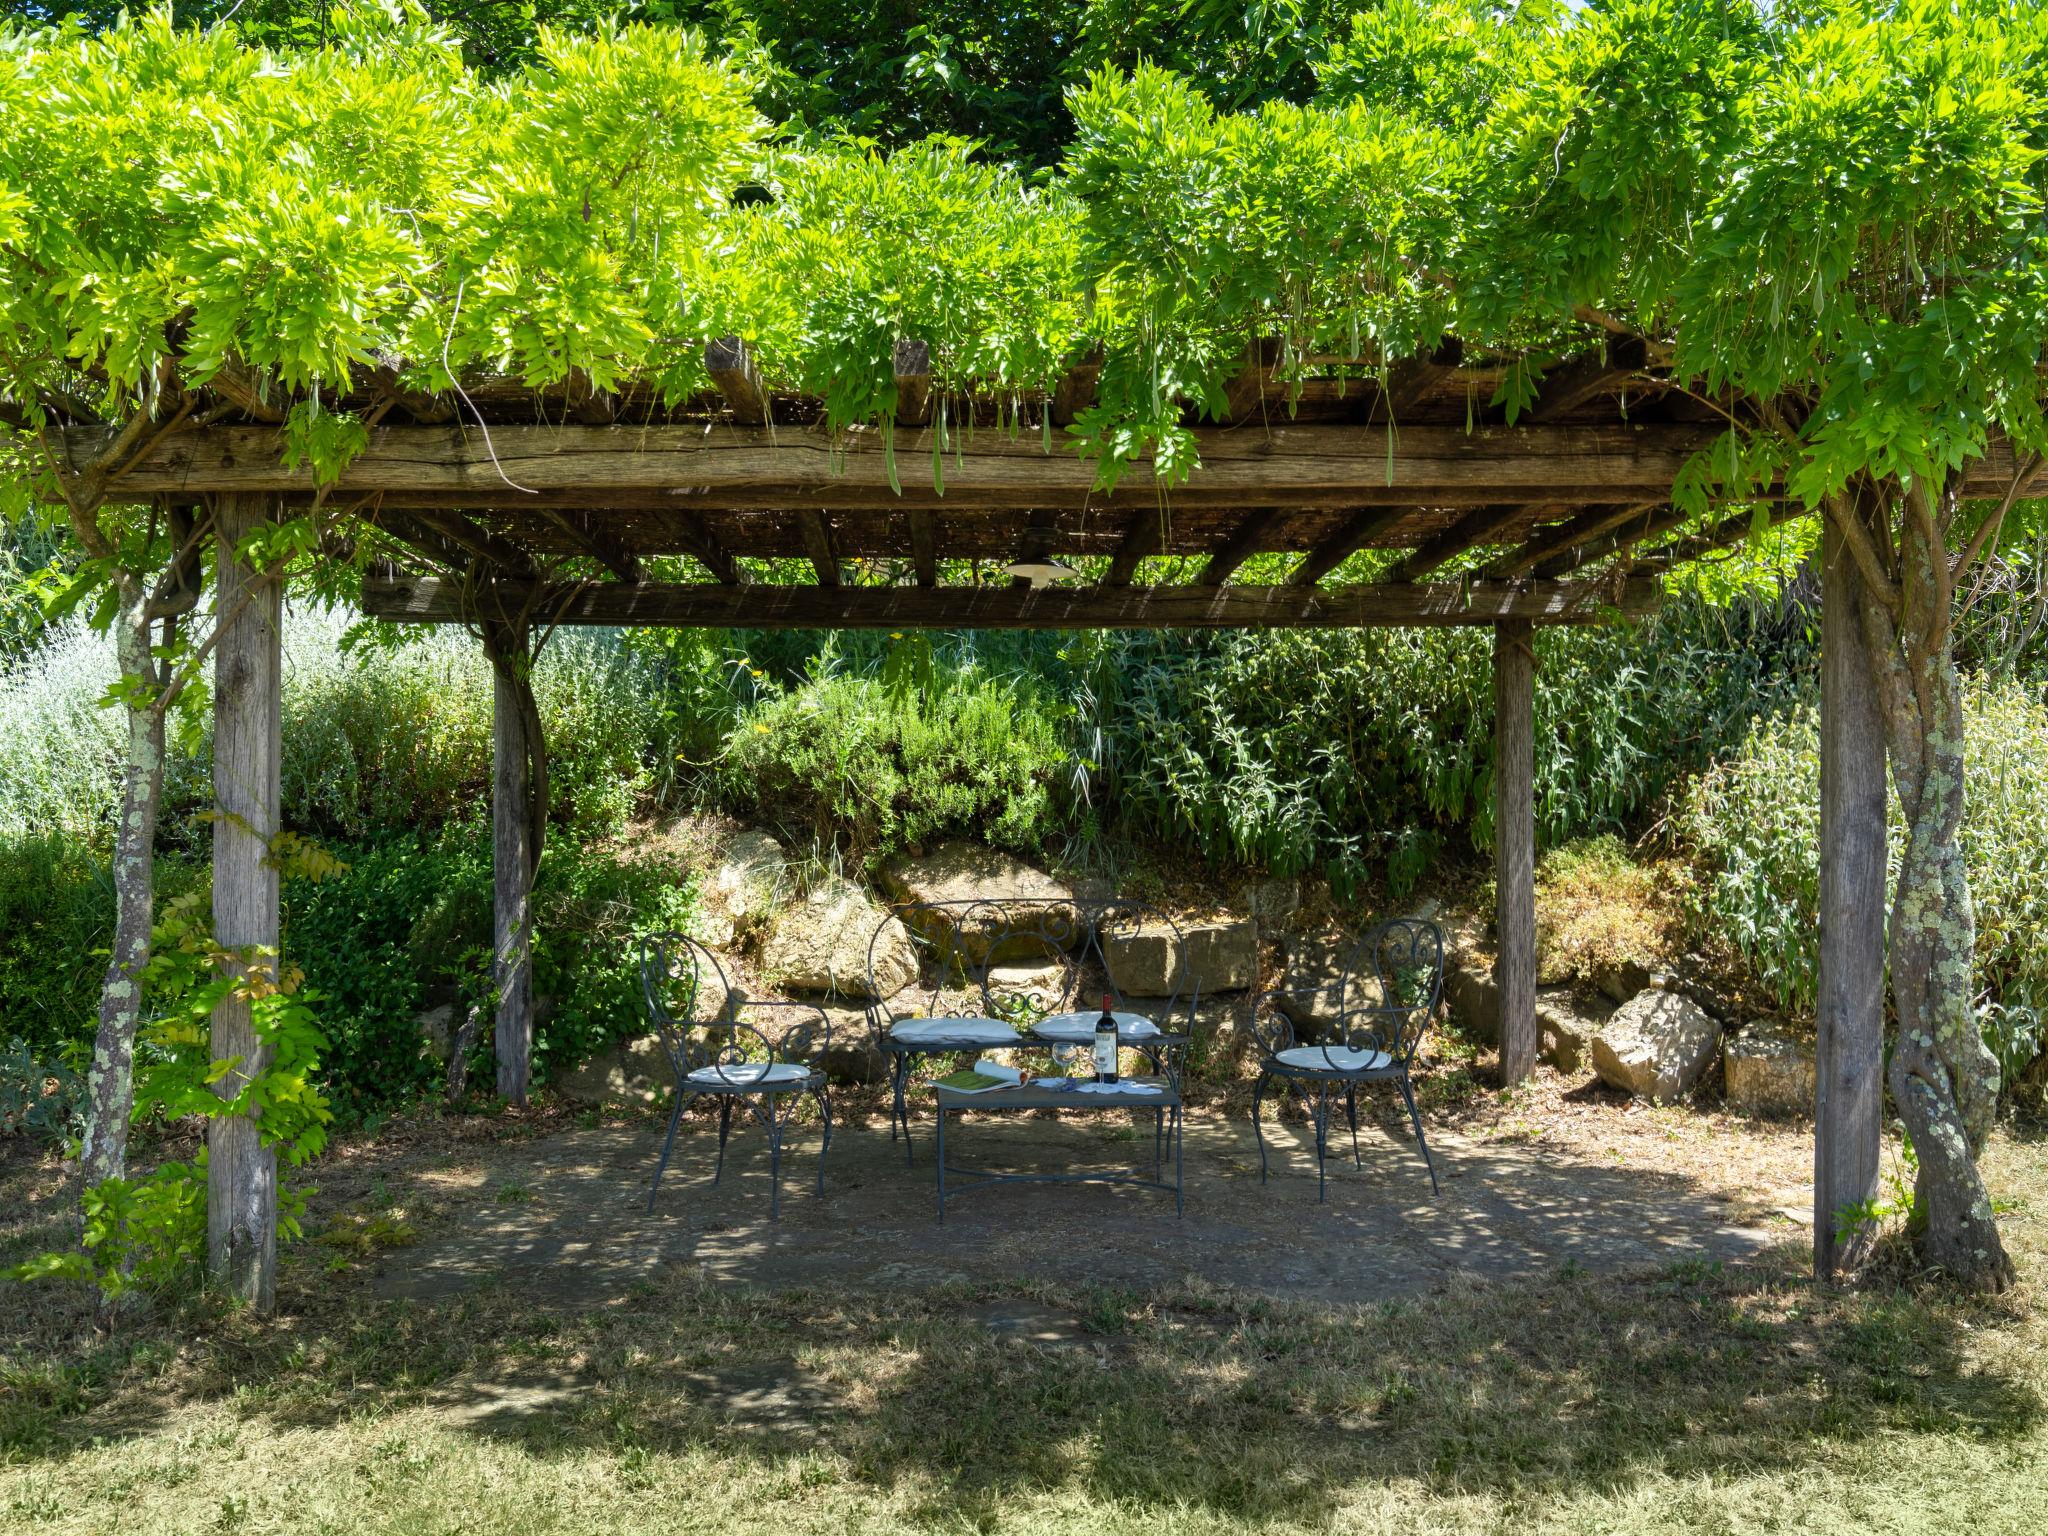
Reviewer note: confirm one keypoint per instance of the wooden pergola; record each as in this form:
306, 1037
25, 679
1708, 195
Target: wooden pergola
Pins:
512, 510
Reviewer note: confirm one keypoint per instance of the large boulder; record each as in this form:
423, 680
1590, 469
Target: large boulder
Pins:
820, 945
1143, 958
1656, 1045
1769, 1070
1470, 995
631, 1072
1311, 992
1564, 1029
740, 890
970, 872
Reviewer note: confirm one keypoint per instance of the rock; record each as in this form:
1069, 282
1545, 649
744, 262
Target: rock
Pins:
1621, 980
631, 1072
1046, 985
1565, 1033
961, 872
1311, 992
821, 944
1656, 1045
1271, 902
1473, 1000
437, 1027
1222, 955
1768, 1070
741, 889
1221, 1033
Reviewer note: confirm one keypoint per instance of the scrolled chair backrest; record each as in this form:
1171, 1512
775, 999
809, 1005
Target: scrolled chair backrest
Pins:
691, 1003
1054, 956
950, 980
1392, 983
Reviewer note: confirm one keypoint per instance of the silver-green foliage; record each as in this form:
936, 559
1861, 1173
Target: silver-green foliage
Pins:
375, 737
1755, 820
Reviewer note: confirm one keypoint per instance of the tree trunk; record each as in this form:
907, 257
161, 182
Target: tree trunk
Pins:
1943, 1078
241, 1174
111, 1091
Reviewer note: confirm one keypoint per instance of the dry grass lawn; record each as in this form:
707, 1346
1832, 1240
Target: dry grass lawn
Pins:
1694, 1399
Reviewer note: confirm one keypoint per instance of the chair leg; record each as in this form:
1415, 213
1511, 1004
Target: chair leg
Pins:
1258, 1132
1351, 1114
825, 1112
774, 1158
895, 1094
668, 1145
907, 1062
724, 1130
1322, 1113
1415, 1119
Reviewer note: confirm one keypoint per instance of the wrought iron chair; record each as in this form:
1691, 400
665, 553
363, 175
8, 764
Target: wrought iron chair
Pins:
716, 1055
946, 1007
1391, 984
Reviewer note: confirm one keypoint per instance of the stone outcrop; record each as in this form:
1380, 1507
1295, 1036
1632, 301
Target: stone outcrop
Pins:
820, 945
1656, 1046
740, 891
1143, 957
1768, 1070
1564, 1030
968, 872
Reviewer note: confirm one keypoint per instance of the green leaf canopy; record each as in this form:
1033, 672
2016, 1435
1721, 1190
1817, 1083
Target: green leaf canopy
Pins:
1831, 209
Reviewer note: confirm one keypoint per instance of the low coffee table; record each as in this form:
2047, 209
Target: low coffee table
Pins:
1129, 1093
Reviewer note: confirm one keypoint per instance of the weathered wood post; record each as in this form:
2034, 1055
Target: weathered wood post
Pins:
1849, 1054
512, 861
241, 1173
1514, 843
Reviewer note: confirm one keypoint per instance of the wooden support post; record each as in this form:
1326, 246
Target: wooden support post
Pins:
1514, 843
241, 1173
511, 872
1849, 1056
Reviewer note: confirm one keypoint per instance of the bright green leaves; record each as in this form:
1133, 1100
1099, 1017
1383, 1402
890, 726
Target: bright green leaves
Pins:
1842, 204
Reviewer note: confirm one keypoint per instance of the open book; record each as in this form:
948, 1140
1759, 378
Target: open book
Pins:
980, 1077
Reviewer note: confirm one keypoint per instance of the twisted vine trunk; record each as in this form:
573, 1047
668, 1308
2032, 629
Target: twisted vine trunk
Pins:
1943, 1078
111, 1088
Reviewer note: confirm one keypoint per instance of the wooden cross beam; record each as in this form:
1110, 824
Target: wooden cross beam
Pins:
433, 600
1360, 531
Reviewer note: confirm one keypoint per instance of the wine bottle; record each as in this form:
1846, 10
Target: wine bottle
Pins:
1105, 1044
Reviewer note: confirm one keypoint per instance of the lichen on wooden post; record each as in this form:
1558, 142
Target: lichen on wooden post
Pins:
1514, 843
519, 798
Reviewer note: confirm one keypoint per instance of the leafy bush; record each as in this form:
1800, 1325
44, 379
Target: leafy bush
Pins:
41, 1099
1343, 748
408, 923
1755, 823
897, 759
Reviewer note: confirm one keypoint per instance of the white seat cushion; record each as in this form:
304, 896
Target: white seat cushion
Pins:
1079, 1028
749, 1074
1333, 1058
947, 1031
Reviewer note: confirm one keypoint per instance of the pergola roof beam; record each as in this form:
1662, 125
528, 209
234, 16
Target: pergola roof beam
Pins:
1360, 531
433, 600
1483, 525
1244, 542
1571, 384
730, 362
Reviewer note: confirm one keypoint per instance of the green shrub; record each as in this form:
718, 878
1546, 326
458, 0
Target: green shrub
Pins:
886, 762
1345, 748
409, 923
1754, 823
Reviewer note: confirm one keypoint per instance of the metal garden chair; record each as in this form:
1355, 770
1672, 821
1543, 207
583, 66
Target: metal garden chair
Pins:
947, 1007
717, 1055
1391, 983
